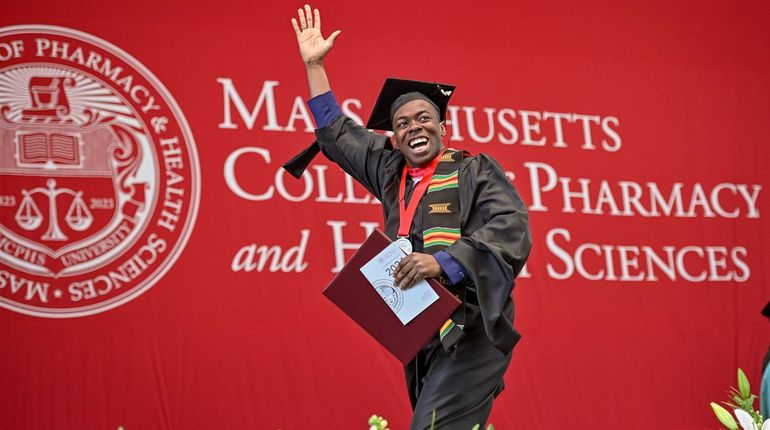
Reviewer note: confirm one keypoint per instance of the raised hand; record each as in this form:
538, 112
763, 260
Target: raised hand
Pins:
312, 45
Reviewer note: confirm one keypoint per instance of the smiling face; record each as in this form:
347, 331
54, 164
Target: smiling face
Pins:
417, 130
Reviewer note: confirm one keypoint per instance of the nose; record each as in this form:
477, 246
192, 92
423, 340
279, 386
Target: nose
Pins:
415, 126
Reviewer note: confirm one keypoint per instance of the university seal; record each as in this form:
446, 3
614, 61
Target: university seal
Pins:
389, 292
99, 176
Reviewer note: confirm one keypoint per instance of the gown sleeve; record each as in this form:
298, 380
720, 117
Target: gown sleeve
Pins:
359, 152
495, 244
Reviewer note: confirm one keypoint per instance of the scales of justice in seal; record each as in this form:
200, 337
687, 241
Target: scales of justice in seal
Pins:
68, 176
50, 150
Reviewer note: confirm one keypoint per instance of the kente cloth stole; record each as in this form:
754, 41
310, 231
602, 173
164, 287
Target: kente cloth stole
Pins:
441, 223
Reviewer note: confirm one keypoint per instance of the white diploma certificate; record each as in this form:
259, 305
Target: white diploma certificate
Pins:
406, 304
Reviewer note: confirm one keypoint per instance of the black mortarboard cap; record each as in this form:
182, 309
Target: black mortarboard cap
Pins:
381, 116
766, 310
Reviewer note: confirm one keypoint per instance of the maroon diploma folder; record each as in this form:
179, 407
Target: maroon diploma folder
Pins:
355, 296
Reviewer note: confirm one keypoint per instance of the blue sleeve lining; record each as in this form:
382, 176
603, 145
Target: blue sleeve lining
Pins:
324, 108
453, 270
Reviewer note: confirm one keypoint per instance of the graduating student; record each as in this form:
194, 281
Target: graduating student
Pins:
458, 217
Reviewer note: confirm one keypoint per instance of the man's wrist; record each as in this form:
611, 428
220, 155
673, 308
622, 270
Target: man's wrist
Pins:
314, 64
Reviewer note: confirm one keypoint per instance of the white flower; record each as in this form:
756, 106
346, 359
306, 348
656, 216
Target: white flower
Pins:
747, 423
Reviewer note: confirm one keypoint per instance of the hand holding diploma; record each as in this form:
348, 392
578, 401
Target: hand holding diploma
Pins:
415, 267
406, 303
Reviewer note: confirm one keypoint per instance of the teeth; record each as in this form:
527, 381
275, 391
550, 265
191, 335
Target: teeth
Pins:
417, 141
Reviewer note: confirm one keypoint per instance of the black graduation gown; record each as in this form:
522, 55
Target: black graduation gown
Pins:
493, 248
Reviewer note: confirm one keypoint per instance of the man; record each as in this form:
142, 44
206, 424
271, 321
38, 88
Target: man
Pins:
458, 217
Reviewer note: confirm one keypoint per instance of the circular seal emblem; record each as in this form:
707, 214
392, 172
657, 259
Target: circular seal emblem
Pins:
99, 176
392, 295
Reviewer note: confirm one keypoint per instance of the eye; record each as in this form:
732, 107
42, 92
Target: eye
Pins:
424, 118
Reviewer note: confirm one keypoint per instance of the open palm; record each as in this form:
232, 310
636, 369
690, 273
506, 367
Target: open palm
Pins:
312, 45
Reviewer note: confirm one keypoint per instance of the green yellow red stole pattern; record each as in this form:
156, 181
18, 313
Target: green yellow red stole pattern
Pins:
443, 182
440, 236
441, 224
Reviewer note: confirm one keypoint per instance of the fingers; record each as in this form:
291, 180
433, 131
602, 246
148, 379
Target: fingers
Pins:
309, 16
407, 277
412, 277
334, 36
408, 271
401, 269
302, 21
296, 26
414, 267
310, 19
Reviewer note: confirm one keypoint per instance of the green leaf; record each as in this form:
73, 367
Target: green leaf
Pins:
724, 417
476, 427
490, 427
743, 384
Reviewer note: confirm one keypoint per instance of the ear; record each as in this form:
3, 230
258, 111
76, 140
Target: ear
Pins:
442, 127
394, 141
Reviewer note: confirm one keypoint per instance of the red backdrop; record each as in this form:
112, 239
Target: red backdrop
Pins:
635, 133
